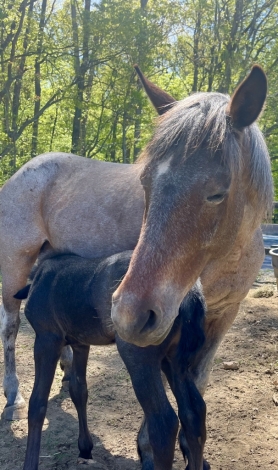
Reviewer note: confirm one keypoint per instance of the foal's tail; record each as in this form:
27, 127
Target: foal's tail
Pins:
23, 293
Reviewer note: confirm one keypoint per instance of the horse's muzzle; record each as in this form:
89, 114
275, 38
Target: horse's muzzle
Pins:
138, 324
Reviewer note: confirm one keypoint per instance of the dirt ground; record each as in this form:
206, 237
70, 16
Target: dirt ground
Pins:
242, 418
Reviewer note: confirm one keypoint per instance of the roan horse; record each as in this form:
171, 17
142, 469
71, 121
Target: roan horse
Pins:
207, 185
69, 303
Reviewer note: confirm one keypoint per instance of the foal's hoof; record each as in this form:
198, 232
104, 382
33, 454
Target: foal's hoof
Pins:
13, 412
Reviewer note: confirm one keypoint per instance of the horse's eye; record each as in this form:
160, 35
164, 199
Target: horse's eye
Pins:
216, 198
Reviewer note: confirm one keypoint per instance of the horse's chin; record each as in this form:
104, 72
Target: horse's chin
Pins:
164, 336
153, 340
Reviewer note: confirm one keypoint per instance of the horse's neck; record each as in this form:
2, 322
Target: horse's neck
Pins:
228, 279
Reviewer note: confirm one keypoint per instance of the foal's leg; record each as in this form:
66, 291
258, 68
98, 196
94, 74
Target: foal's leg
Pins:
66, 365
192, 414
47, 351
79, 395
162, 422
144, 448
14, 275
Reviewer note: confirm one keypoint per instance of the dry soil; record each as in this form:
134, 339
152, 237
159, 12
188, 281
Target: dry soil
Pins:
242, 418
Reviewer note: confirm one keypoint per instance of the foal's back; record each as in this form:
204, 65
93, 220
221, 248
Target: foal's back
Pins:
71, 296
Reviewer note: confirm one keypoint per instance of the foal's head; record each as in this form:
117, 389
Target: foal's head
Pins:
207, 183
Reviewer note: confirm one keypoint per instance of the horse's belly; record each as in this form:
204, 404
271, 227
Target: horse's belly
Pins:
91, 240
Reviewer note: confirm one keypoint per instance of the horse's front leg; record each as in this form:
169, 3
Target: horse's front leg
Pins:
15, 407
79, 395
216, 326
192, 414
14, 277
162, 422
144, 448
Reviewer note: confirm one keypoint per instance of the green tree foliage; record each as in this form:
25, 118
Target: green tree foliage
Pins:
67, 80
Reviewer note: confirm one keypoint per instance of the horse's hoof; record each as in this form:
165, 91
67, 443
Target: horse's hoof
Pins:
13, 412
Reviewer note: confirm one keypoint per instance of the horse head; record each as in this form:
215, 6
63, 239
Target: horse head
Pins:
206, 178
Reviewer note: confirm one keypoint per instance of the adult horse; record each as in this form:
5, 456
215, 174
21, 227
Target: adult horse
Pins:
207, 184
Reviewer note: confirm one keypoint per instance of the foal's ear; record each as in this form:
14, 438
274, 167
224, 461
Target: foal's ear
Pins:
248, 99
161, 100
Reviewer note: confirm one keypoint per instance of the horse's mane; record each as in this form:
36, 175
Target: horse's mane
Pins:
201, 120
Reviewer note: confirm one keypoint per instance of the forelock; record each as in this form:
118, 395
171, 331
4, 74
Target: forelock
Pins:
201, 120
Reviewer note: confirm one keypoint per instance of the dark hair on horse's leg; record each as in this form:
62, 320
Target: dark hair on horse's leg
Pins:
192, 311
143, 446
144, 368
193, 421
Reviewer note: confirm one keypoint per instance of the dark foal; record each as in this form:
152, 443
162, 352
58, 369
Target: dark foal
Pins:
69, 303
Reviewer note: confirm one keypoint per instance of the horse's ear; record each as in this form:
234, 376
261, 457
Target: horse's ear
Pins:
248, 99
161, 100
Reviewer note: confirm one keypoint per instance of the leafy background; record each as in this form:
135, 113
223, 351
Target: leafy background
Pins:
66, 73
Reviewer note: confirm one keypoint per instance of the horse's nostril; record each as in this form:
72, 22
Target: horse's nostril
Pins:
150, 322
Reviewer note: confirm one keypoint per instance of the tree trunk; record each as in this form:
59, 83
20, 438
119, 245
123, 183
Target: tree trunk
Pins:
196, 51
124, 147
231, 46
80, 71
114, 139
53, 129
84, 120
37, 104
137, 131
12, 131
